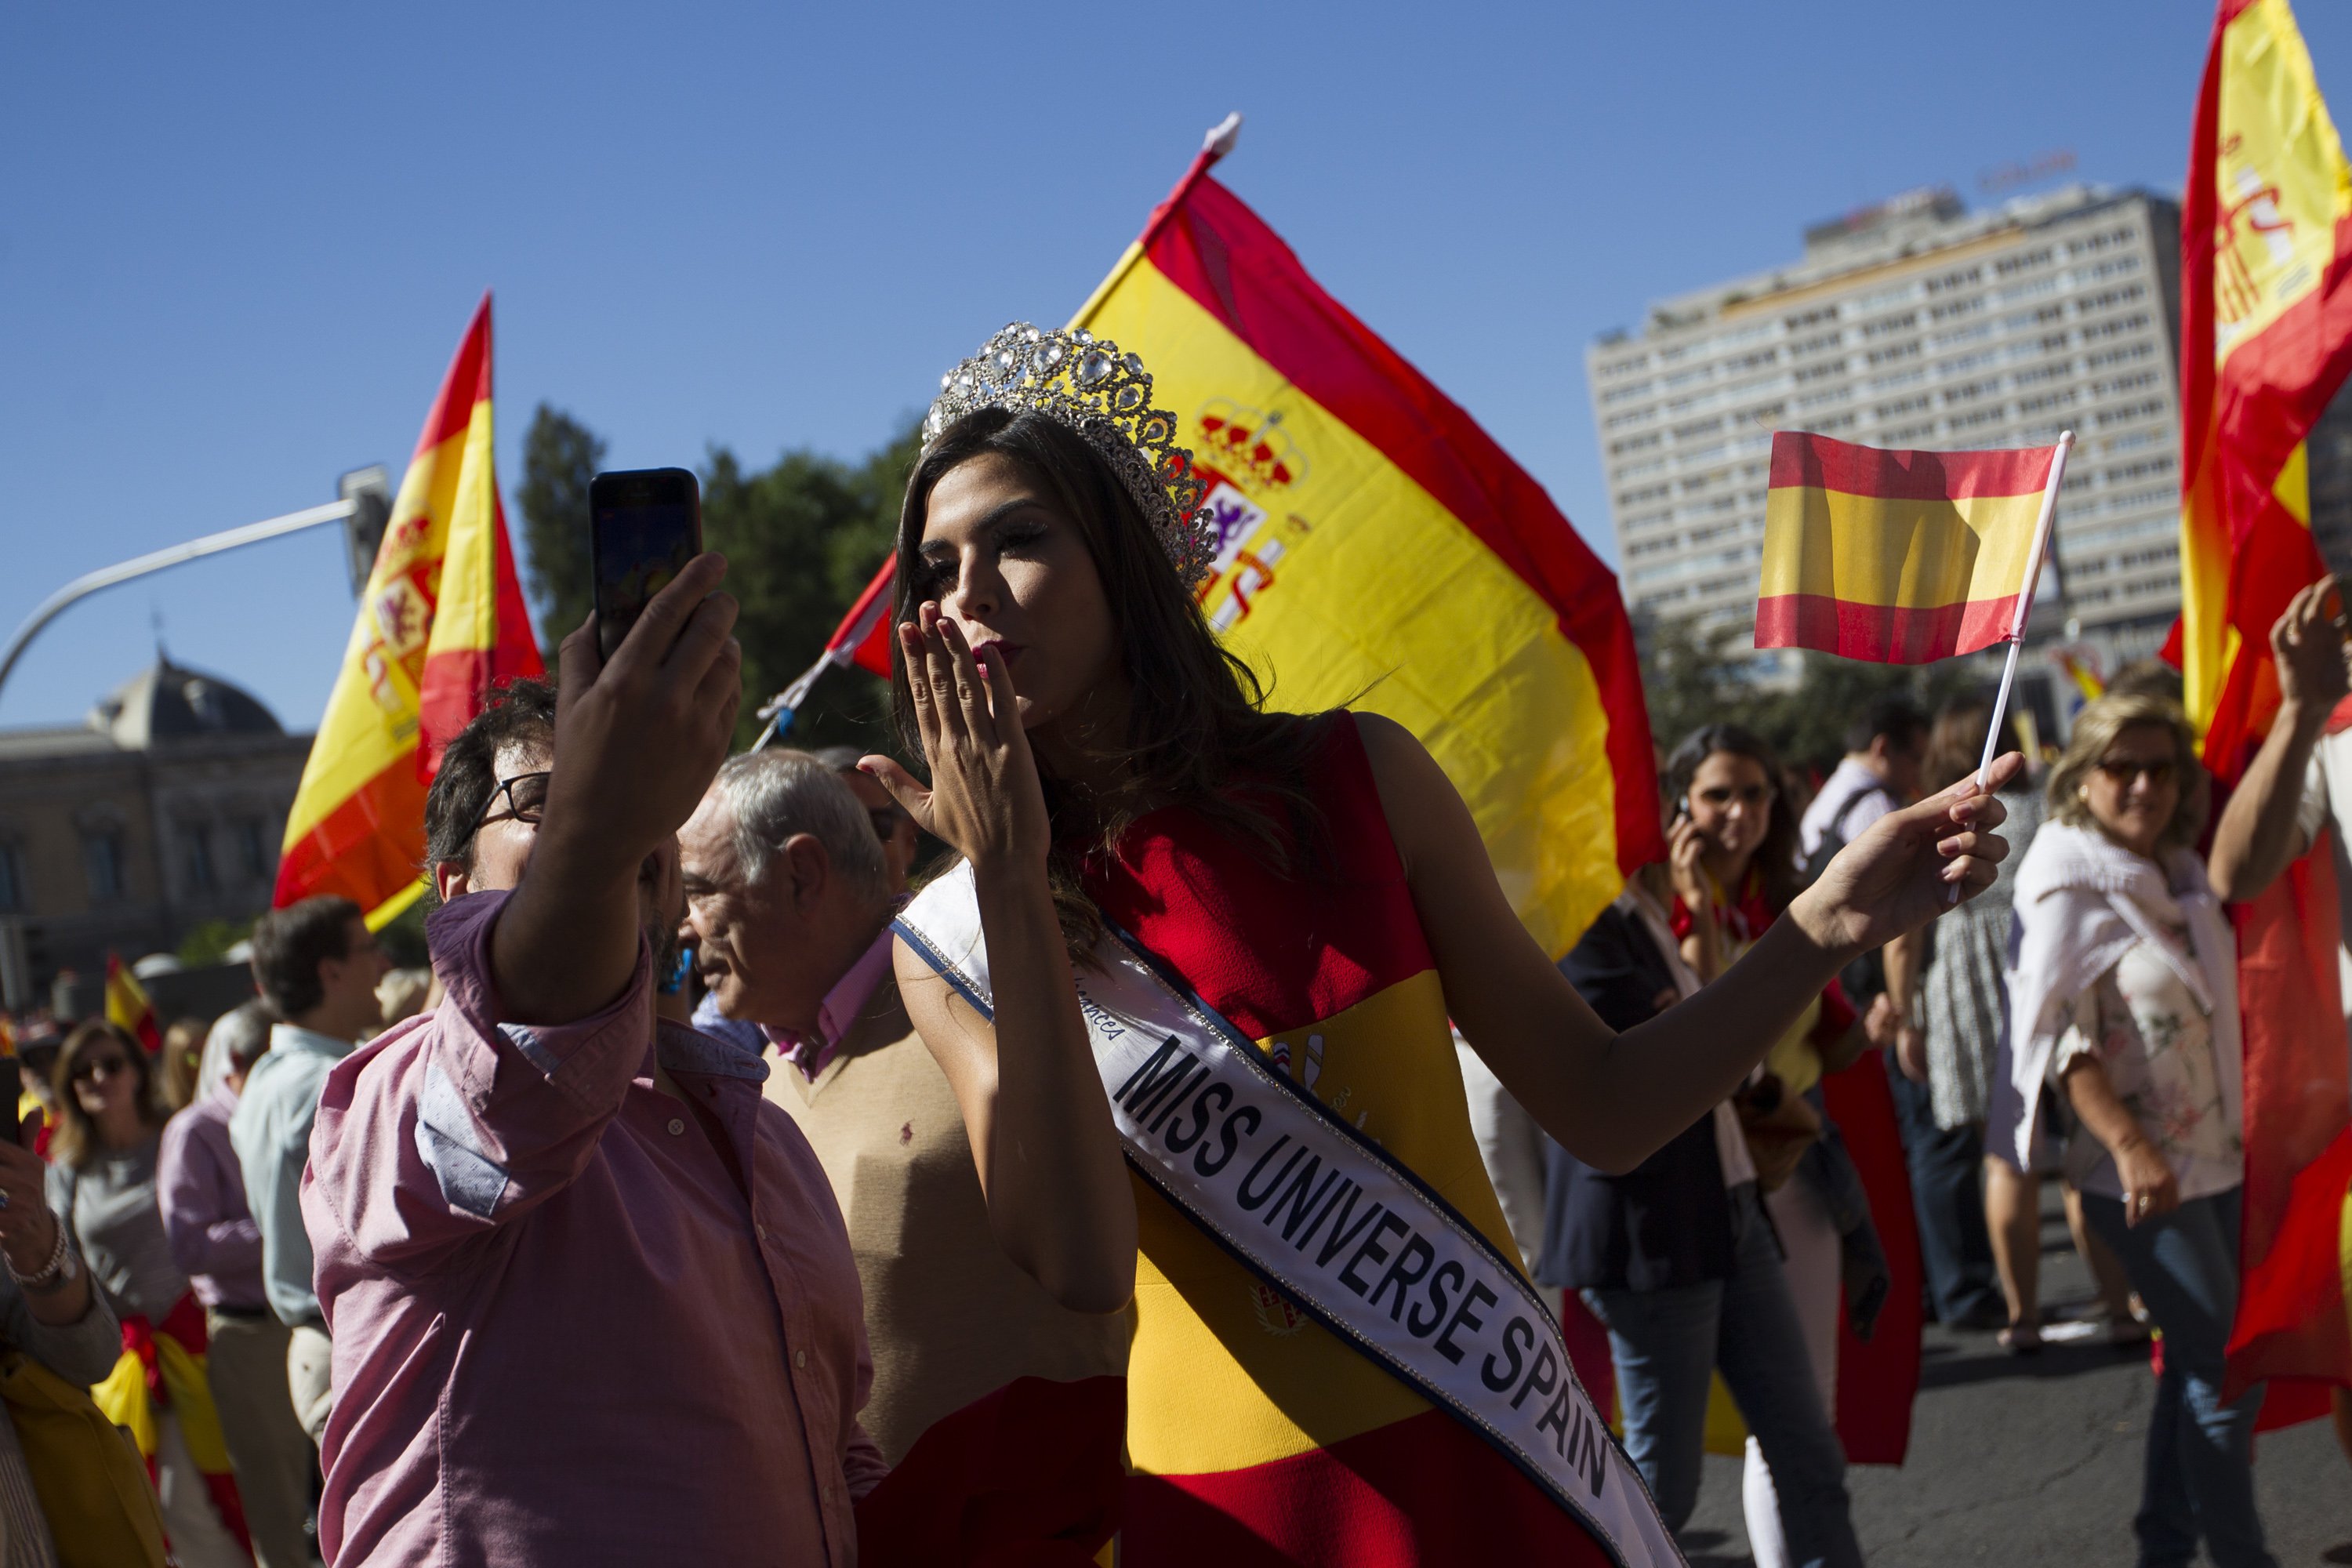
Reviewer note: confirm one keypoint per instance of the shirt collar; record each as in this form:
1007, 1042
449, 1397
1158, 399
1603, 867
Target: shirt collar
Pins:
810, 1051
683, 1049
295, 1037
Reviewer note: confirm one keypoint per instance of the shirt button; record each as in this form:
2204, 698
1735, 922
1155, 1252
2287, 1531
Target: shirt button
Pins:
800, 1358
675, 1126
760, 1231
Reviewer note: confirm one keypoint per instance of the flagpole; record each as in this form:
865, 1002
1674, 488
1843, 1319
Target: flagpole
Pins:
2025, 598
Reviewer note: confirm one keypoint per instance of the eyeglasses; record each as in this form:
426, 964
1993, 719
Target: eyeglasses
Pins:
526, 798
2122, 770
113, 1065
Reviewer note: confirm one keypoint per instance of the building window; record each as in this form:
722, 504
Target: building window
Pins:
13, 894
252, 847
102, 860
196, 857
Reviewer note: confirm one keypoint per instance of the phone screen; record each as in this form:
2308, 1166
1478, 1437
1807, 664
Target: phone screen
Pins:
645, 526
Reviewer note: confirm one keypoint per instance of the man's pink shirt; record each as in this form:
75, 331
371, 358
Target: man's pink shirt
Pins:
563, 1332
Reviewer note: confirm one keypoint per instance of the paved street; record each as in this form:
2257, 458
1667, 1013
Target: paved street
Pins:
2022, 1461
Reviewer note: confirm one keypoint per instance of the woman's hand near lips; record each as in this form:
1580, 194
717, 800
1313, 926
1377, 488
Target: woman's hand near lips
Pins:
985, 800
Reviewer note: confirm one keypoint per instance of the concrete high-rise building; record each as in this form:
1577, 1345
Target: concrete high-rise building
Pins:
1914, 324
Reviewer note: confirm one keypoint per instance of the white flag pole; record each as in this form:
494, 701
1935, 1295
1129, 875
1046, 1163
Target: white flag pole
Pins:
2025, 597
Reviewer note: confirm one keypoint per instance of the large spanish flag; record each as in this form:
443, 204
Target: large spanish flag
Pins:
1901, 557
441, 621
1379, 549
2265, 342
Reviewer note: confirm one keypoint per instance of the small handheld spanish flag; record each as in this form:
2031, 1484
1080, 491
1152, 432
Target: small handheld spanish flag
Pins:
1902, 557
127, 1006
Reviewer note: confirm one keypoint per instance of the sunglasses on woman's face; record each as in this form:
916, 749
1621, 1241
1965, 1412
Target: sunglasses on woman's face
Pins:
114, 1064
2121, 771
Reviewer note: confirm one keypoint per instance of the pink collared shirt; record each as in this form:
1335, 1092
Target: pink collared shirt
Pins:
836, 1013
564, 1330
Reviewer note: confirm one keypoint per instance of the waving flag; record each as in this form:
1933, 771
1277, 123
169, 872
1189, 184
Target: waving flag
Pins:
127, 1006
1376, 541
1901, 557
2266, 341
441, 621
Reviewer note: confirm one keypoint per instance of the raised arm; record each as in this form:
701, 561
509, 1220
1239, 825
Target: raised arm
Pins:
1612, 1099
636, 743
2262, 827
1048, 1156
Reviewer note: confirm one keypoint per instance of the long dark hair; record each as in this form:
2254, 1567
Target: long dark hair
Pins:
74, 1142
1197, 726
1776, 858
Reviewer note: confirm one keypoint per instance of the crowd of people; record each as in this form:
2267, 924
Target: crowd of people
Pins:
717, 1199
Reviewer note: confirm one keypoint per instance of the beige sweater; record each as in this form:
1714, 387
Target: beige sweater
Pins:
948, 1316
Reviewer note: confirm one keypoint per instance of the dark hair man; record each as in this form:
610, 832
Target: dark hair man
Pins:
592, 1301
789, 899
316, 964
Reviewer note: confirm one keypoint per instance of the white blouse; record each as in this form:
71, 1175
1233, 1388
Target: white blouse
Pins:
2143, 1025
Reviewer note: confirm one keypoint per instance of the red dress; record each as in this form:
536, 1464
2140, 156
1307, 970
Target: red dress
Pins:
1255, 1437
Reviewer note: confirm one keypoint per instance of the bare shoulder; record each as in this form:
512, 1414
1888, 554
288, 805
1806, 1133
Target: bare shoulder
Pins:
1416, 796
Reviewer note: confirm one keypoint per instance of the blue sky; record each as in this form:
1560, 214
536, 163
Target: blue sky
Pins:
237, 244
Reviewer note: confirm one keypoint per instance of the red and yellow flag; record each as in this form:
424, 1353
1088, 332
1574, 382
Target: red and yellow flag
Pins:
441, 623
1377, 543
127, 1006
2265, 340
1901, 557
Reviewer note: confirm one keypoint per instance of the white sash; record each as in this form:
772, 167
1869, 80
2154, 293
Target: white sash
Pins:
1314, 1208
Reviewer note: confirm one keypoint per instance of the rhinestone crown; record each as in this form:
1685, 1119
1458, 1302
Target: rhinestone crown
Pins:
1085, 382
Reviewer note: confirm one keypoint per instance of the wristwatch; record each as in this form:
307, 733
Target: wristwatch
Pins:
62, 1270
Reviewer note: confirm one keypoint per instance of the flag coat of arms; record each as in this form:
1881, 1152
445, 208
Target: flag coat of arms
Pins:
441, 621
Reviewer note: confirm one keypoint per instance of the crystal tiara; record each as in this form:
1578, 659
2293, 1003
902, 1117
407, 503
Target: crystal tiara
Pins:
1085, 382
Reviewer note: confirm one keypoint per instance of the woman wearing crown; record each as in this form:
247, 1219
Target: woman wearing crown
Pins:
1350, 1383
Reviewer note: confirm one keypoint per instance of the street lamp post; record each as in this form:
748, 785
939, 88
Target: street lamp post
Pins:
366, 504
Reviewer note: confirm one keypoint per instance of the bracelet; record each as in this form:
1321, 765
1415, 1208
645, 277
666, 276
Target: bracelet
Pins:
47, 1274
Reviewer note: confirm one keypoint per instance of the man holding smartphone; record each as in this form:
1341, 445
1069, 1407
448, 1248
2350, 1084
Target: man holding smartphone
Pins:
591, 1297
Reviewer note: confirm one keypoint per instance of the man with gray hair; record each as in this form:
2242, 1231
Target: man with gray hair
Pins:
789, 902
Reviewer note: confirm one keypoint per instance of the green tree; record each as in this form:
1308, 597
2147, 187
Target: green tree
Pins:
801, 539
1691, 678
560, 456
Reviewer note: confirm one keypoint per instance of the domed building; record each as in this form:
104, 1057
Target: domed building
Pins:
164, 809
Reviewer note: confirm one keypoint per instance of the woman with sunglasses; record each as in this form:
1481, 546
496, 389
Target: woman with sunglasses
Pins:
2124, 1003
102, 1180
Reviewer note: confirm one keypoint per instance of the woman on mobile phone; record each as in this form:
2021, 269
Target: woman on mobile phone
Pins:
1312, 888
1677, 1257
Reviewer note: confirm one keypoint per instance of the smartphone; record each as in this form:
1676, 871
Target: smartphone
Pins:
645, 525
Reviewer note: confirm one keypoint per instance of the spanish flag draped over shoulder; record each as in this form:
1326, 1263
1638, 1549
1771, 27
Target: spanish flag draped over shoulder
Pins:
442, 622
2265, 342
1377, 542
